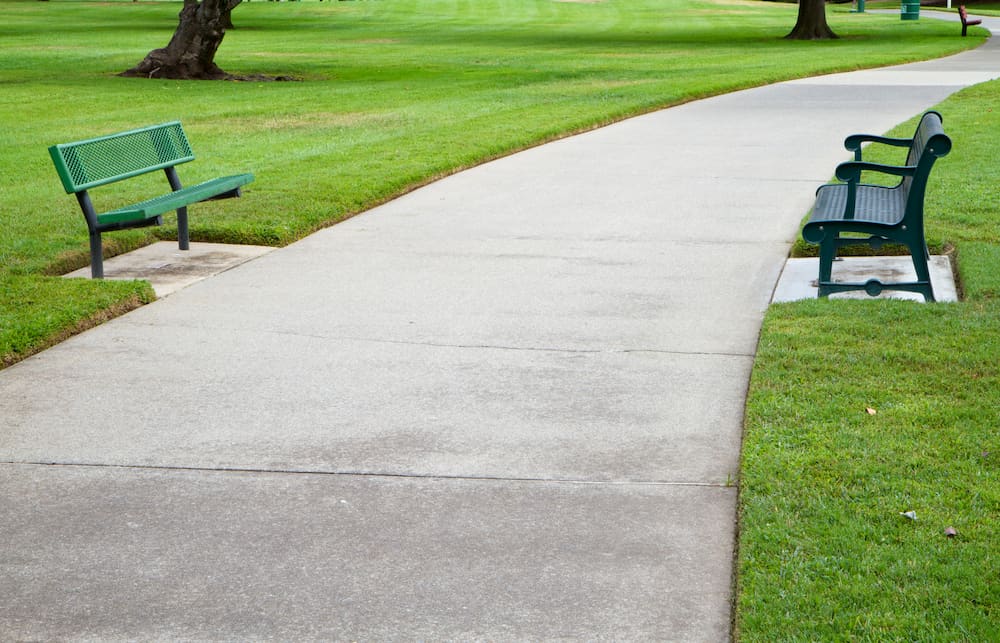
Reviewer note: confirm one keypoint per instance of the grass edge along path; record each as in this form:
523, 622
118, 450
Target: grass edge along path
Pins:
82, 304
602, 62
859, 412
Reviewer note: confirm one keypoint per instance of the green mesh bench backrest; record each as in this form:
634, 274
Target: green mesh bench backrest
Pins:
929, 137
97, 161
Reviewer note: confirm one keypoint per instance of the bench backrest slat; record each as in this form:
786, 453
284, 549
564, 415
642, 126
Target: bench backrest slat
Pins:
86, 164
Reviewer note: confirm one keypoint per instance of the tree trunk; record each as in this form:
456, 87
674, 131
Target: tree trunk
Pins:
191, 51
227, 20
811, 23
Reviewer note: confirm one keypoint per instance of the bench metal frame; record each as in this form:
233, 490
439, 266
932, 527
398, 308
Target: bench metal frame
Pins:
885, 214
966, 23
83, 165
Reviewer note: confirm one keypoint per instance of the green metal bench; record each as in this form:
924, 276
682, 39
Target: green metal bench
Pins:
99, 161
884, 214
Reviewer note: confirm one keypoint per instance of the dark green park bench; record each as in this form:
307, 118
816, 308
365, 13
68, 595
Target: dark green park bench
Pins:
88, 164
881, 214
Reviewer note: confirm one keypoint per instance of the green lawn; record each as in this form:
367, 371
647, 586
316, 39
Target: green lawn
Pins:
395, 93
392, 94
824, 553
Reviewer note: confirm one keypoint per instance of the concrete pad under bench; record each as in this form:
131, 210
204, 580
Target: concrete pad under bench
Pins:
798, 279
169, 269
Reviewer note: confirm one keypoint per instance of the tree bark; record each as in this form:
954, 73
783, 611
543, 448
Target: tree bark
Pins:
191, 51
227, 21
811, 22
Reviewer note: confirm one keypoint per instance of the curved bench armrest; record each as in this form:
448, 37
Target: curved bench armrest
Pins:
854, 141
850, 171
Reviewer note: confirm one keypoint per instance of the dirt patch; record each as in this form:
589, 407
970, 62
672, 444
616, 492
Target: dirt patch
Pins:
262, 78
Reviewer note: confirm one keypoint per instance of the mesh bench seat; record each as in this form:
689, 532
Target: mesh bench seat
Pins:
882, 214
881, 205
84, 165
150, 208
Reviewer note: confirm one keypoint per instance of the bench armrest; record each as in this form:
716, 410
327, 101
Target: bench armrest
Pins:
854, 141
850, 171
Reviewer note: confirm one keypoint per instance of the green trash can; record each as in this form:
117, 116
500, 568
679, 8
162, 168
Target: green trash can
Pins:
910, 10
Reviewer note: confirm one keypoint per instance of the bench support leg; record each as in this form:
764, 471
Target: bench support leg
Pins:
96, 256
827, 253
920, 255
183, 241
182, 213
918, 252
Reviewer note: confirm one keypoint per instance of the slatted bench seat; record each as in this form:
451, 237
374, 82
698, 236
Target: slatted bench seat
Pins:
966, 23
88, 164
882, 214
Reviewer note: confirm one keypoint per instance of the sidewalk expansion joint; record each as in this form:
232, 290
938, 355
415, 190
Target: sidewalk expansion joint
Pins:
373, 474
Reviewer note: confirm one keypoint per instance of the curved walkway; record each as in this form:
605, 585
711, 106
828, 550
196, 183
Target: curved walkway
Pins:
506, 406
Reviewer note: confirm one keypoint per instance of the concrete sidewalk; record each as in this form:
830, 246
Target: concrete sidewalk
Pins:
507, 406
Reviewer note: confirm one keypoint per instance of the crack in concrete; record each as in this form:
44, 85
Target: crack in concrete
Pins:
376, 474
499, 347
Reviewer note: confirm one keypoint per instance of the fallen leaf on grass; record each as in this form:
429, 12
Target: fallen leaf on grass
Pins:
870, 411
